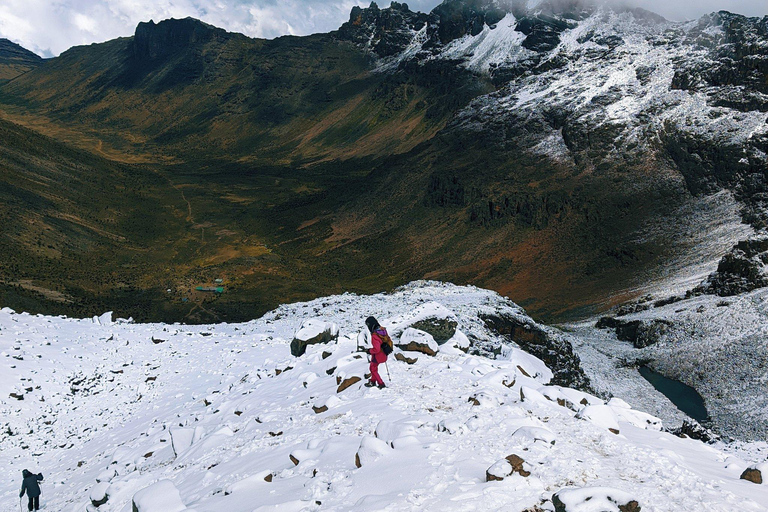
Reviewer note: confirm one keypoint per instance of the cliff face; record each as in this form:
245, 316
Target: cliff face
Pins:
153, 41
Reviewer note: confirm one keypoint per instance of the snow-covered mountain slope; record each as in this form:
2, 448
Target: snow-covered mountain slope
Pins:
226, 417
717, 345
588, 83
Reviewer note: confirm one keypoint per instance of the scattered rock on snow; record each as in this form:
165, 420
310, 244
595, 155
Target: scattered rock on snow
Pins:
313, 331
586, 499
506, 467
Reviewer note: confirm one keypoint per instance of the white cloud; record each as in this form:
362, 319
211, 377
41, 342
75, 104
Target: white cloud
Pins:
49, 27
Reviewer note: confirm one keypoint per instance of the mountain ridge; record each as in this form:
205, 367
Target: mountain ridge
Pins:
15, 60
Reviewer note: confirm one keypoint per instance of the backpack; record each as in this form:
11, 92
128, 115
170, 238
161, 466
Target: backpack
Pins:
386, 343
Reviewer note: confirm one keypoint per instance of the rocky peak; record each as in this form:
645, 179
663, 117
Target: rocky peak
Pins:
152, 41
385, 32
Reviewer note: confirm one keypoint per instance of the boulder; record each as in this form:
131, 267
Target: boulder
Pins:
161, 496
506, 467
414, 340
603, 499
371, 448
311, 332
755, 473
432, 318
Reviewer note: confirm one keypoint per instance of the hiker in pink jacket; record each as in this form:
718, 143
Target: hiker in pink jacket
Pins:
378, 356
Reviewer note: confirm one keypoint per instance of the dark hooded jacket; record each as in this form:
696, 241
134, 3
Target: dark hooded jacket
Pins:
30, 484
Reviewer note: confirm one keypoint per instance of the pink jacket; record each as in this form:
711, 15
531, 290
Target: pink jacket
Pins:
376, 353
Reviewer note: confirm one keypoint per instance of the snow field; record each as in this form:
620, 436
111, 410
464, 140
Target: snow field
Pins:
223, 416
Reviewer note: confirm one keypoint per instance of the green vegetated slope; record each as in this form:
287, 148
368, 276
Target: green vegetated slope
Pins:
260, 144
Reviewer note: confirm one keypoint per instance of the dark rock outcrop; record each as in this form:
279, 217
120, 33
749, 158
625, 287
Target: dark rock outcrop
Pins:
557, 353
641, 333
693, 430
742, 270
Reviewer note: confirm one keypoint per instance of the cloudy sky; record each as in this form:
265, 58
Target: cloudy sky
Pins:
48, 27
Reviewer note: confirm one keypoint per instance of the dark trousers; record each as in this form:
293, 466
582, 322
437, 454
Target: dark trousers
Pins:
34, 503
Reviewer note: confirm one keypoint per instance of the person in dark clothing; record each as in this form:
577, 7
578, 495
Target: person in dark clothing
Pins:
30, 486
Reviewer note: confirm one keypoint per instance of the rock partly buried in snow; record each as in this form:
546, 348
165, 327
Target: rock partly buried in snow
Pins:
161, 496
414, 340
535, 434
506, 467
371, 448
600, 415
755, 474
594, 499
347, 383
405, 359
98, 495
183, 438
311, 332
432, 318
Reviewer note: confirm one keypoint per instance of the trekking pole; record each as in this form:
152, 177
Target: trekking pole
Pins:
387, 367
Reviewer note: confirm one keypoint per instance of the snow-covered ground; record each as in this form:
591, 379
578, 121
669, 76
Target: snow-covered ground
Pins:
214, 412
717, 345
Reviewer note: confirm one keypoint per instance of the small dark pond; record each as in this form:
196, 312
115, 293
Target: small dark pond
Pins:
683, 396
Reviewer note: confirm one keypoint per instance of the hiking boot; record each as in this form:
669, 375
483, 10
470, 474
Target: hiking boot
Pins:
381, 386
369, 384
